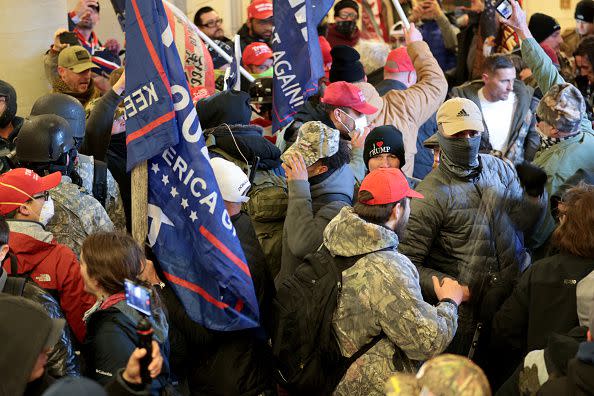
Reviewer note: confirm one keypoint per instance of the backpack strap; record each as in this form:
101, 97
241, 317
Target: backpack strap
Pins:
364, 349
14, 285
100, 182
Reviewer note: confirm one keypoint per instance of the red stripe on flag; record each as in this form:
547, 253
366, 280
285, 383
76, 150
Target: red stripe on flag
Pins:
219, 245
239, 305
197, 289
150, 126
151, 49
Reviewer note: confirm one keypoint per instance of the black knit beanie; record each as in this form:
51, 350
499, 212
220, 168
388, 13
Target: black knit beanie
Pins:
542, 26
584, 11
346, 65
345, 4
226, 107
381, 140
9, 93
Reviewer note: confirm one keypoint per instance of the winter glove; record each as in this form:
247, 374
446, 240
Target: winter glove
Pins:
532, 178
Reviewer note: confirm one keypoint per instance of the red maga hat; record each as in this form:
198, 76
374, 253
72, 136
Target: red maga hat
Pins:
387, 185
19, 185
345, 94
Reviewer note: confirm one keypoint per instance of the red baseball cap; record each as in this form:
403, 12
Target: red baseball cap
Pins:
387, 185
399, 61
342, 93
256, 54
19, 185
260, 9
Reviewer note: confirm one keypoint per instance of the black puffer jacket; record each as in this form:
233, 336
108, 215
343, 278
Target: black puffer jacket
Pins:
62, 360
469, 227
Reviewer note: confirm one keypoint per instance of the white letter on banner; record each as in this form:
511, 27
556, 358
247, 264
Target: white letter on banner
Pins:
181, 104
167, 36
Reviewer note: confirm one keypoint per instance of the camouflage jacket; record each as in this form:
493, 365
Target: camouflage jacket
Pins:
77, 215
114, 205
381, 294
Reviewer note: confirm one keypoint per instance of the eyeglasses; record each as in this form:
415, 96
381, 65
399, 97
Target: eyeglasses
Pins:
213, 23
350, 16
45, 195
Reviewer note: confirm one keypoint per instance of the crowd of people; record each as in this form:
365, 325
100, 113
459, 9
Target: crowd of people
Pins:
423, 226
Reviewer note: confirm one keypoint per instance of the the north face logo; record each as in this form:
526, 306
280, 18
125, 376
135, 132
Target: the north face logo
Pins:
462, 113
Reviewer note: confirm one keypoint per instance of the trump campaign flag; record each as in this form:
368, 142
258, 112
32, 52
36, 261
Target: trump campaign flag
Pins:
298, 63
190, 231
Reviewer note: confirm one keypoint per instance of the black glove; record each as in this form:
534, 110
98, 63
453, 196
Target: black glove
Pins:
532, 178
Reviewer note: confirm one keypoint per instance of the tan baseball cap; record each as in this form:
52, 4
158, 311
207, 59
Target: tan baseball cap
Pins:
75, 58
459, 114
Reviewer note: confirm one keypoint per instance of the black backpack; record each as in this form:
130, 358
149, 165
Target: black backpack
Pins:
306, 353
15, 285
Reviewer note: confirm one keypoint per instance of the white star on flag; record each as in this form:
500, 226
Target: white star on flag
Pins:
184, 203
174, 192
165, 180
193, 216
155, 168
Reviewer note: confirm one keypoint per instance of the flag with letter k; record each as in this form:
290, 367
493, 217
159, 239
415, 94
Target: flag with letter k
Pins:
190, 231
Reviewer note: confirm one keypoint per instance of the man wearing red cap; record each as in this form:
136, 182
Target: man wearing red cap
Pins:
27, 205
259, 24
381, 301
347, 108
257, 59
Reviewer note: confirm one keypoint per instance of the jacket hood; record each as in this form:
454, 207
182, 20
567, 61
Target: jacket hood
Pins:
25, 330
31, 228
348, 235
226, 107
340, 182
30, 251
244, 142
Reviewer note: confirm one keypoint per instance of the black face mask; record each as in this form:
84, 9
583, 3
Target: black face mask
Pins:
346, 28
8, 114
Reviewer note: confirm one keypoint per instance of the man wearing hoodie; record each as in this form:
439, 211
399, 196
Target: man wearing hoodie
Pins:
470, 226
382, 285
320, 183
26, 203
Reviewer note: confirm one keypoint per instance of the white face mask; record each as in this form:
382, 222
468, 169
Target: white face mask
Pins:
360, 123
47, 211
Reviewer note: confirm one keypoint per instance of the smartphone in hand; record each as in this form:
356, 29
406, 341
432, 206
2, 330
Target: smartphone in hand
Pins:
68, 38
504, 9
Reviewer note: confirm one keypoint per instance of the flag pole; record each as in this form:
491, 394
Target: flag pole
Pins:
226, 56
140, 202
401, 14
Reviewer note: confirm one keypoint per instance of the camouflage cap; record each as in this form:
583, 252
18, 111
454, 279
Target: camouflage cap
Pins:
315, 140
562, 108
449, 375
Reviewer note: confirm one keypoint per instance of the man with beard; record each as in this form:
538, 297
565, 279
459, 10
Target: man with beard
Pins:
470, 225
209, 22
382, 285
344, 30
259, 25
74, 70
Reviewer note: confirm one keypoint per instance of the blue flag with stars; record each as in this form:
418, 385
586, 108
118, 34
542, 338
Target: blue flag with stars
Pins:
190, 230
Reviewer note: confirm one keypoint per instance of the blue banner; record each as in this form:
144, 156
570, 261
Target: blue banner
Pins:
190, 231
298, 63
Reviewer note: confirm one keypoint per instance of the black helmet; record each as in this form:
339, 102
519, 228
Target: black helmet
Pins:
43, 139
261, 91
64, 106
9, 93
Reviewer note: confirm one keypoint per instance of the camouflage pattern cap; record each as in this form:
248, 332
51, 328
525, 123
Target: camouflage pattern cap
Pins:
449, 375
562, 108
315, 140
402, 384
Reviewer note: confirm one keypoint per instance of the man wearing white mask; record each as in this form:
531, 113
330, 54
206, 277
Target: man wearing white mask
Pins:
347, 108
26, 203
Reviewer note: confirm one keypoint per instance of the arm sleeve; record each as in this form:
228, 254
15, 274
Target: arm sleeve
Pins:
421, 330
449, 32
305, 233
74, 301
510, 322
545, 73
99, 124
423, 98
50, 63
357, 164
422, 229
112, 349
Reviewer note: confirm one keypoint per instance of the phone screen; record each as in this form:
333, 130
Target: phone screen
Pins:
504, 9
138, 297
68, 38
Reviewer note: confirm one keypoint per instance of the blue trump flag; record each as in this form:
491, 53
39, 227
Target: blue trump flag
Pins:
298, 63
190, 231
